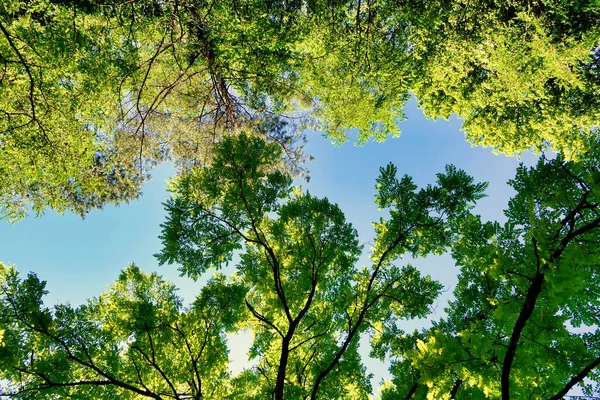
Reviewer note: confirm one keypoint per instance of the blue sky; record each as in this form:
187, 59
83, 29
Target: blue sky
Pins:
80, 258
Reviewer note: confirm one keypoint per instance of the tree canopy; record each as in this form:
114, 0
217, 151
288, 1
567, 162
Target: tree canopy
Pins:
298, 287
522, 74
93, 95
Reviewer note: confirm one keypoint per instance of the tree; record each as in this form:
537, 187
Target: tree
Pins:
94, 95
134, 340
297, 287
521, 74
524, 321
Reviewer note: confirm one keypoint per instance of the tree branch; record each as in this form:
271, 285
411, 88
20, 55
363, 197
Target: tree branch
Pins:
31, 82
263, 319
576, 379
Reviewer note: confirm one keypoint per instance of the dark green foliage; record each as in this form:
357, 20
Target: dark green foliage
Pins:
525, 315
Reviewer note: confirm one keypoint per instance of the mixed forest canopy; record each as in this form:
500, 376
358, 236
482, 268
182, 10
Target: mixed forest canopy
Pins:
523, 287
93, 95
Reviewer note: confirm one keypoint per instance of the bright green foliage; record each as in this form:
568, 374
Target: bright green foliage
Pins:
134, 340
524, 321
354, 63
522, 324
55, 102
92, 96
521, 74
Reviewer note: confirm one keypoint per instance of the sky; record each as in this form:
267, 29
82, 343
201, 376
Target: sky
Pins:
80, 258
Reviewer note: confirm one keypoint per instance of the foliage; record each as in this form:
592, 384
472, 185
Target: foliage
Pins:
93, 95
521, 74
524, 321
297, 286
134, 340
355, 63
